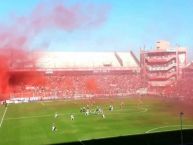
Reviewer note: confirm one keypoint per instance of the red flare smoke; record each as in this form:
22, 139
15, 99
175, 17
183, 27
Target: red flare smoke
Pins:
92, 86
16, 38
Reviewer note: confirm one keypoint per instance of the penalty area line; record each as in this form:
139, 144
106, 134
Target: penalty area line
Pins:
167, 126
3, 117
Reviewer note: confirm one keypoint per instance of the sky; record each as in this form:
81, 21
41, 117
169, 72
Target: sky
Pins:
125, 24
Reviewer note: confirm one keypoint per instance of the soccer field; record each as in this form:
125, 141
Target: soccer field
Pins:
31, 123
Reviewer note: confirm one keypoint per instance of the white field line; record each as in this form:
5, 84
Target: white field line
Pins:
81, 142
157, 128
3, 117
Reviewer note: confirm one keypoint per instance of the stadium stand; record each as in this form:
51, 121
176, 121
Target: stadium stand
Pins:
83, 84
83, 74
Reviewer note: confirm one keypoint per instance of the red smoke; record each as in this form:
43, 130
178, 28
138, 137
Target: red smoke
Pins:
92, 86
68, 18
16, 38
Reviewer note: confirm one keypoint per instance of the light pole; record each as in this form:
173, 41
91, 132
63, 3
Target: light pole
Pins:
181, 114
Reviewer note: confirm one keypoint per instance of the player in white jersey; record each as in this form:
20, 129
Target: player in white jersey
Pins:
53, 127
72, 117
56, 115
103, 115
87, 112
111, 108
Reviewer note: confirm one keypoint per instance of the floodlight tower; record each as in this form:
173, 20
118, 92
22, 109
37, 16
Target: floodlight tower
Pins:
181, 115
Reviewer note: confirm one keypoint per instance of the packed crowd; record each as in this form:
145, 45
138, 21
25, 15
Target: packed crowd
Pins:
184, 88
81, 85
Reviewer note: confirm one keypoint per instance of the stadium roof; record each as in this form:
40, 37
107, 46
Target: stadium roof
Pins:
65, 60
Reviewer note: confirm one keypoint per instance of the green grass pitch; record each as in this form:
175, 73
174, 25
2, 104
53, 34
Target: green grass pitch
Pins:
31, 123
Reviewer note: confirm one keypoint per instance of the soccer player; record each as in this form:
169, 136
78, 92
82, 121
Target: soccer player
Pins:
122, 104
5, 103
87, 112
87, 106
72, 117
111, 107
103, 115
99, 110
53, 127
83, 109
56, 115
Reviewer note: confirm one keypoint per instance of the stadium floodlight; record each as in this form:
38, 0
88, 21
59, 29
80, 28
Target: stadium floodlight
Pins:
181, 114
